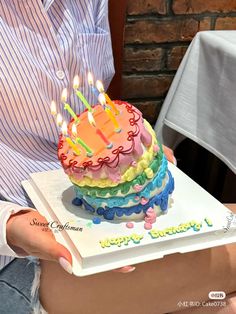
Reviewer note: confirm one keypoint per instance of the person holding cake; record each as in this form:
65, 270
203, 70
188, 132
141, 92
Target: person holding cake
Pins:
44, 44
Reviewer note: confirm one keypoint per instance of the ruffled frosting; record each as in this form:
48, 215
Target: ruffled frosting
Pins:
142, 192
160, 200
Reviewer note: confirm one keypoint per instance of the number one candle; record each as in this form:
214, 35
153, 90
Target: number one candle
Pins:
78, 140
69, 140
67, 106
102, 101
100, 87
91, 84
79, 94
98, 131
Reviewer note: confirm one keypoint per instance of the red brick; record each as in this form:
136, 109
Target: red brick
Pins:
202, 6
205, 24
142, 59
149, 109
161, 31
175, 56
146, 7
225, 23
145, 86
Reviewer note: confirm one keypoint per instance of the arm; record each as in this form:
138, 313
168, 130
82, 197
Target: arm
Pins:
6, 210
20, 238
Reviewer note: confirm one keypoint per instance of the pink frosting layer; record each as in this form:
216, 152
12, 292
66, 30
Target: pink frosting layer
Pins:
109, 163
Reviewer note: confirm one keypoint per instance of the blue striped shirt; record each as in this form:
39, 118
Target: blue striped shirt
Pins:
43, 45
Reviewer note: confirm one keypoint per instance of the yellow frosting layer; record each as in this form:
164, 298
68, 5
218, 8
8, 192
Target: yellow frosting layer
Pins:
130, 173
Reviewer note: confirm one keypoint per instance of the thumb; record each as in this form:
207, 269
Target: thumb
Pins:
53, 250
64, 258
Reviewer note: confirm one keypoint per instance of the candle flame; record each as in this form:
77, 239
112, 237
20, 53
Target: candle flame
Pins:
99, 86
90, 78
64, 128
53, 108
102, 99
74, 129
64, 95
91, 118
59, 119
76, 82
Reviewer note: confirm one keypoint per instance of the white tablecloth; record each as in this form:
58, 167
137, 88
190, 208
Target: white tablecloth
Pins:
201, 103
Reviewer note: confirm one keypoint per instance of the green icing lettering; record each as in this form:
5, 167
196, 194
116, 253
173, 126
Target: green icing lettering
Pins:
116, 241
105, 243
188, 226
154, 233
162, 233
169, 230
197, 226
208, 222
126, 240
183, 227
136, 238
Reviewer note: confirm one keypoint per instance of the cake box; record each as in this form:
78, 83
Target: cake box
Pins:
195, 221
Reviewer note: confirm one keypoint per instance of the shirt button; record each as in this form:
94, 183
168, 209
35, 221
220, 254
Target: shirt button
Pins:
60, 74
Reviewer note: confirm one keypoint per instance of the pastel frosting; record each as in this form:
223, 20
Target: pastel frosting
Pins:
160, 200
128, 145
128, 181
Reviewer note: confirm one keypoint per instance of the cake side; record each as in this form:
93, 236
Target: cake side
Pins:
127, 146
123, 181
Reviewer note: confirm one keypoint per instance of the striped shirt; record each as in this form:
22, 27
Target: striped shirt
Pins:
43, 45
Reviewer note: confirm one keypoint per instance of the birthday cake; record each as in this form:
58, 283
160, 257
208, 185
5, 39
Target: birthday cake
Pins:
117, 166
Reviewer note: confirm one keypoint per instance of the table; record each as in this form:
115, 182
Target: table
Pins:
201, 103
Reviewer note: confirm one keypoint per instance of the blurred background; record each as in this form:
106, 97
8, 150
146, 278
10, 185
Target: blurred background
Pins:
150, 38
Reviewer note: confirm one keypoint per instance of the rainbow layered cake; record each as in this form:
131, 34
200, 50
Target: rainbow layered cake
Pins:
115, 163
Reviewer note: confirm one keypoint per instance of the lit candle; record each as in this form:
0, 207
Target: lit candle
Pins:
102, 101
91, 84
53, 108
59, 119
69, 140
79, 94
100, 87
67, 106
98, 131
78, 140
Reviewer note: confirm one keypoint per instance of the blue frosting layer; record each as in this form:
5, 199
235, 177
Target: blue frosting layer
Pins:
158, 200
124, 200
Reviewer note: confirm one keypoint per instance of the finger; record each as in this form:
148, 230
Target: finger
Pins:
169, 154
125, 270
49, 249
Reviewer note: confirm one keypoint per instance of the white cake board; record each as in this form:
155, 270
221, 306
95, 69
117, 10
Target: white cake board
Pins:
52, 192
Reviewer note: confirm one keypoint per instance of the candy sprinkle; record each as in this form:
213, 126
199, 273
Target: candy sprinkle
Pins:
129, 225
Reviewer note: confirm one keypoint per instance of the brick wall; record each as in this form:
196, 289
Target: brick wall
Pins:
157, 34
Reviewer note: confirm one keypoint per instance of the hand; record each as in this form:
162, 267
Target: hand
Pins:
29, 239
125, 269
169, 154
